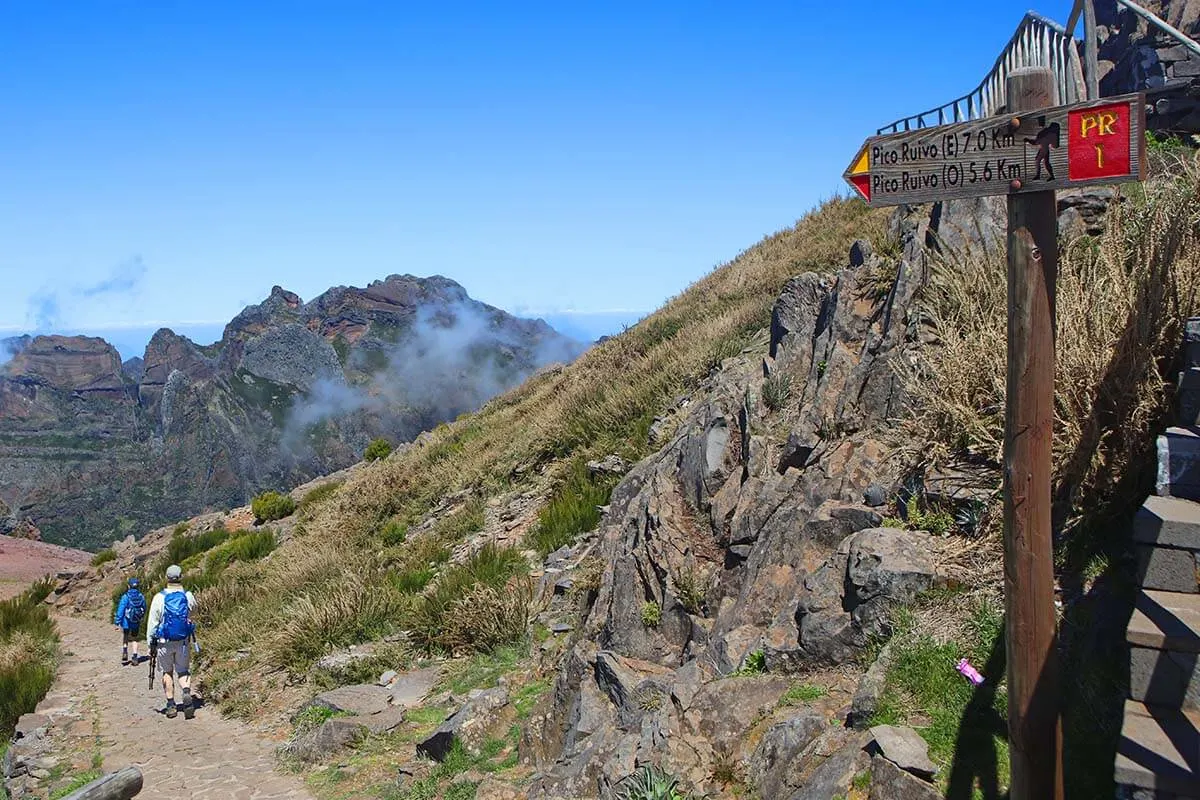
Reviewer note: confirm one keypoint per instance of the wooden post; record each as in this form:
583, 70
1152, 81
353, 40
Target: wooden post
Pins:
122, 785
1035, 741
1090, 45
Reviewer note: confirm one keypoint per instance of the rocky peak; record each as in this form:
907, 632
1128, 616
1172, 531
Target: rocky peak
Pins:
167, 352
67, 363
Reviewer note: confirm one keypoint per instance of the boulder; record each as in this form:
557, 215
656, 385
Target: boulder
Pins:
846, 601
362, 699
904, 748
469, 724
833, 777
776, 764
410, 688
383, 721
609, 465
331, 736
889, 782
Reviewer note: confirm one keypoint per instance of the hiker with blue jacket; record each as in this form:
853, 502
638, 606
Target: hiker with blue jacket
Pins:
128, 618
170, 629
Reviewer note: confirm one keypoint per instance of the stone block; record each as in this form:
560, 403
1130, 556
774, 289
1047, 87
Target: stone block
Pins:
1168, 522
1164, 677
1167, 569
1189, 396
1179, 464
1165, 621
1158, 753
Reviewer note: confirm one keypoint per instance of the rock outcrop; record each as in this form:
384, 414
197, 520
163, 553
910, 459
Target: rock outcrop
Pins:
92, 450
754, 536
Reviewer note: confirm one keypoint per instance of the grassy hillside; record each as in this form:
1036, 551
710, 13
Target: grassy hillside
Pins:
377, 555
350, 575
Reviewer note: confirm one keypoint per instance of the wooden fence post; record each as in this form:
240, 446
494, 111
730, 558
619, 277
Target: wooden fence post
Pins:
1035, 741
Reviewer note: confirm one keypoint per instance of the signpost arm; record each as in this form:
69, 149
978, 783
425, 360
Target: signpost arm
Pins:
1035, 741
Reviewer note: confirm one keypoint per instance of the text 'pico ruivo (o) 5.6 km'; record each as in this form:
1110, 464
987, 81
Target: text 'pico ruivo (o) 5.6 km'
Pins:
1054, 148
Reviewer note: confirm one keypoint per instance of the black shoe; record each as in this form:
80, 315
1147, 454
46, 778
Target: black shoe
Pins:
124, 662
189, 709
172, 712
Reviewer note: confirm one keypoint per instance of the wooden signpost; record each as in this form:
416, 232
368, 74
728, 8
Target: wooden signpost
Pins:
1026, 153
1032, 151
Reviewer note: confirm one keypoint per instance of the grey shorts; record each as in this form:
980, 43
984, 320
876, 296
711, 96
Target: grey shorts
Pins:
174, 657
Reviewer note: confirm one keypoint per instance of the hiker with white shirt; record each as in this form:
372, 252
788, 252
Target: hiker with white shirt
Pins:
169, 630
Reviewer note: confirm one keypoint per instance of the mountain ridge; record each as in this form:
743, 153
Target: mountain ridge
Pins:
291, 390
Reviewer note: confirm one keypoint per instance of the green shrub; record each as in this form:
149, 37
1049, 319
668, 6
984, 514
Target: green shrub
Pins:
319, 494
411, 581
394, 533
182, 547
651, 783
755, 664
103, 557
573, 509
377, 449
777, 390
270, 506
934, 520
244, 546
651, 614
40, 589
690, 591
802, 693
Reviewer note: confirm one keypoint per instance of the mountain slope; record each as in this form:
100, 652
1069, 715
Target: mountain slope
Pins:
92, 450
684, 548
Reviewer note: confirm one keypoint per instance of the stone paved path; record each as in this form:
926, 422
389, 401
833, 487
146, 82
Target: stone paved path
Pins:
204, 758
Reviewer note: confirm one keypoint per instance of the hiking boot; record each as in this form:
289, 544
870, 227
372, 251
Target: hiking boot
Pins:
189, 708
172, 712
124, 662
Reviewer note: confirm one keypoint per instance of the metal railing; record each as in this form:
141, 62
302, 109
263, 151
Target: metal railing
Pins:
1038, 42
1162, 25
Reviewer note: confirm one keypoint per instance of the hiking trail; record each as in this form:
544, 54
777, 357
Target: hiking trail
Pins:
206, 758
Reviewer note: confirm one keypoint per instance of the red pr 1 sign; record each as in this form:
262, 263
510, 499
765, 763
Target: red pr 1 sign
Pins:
1098, 142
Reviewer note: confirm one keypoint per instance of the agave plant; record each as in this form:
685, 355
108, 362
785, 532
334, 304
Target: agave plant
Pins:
651, 783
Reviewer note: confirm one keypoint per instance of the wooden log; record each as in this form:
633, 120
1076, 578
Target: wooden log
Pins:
1035, 740
121, 785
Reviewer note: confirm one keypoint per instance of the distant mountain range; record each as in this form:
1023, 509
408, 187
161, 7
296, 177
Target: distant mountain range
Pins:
93, 449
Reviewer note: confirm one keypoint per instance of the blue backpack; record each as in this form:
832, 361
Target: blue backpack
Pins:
176, 620
135, 609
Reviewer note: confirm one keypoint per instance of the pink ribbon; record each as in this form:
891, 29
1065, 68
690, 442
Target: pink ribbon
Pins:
969, 672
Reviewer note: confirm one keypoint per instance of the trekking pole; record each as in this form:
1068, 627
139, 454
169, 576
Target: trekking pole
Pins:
153, 658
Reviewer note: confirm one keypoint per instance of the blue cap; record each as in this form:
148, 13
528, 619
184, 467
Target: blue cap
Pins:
133, 582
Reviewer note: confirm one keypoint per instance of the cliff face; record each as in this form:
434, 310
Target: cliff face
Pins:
754, 530
92, 450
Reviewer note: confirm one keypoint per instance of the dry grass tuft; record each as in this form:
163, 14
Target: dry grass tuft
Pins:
1121, 302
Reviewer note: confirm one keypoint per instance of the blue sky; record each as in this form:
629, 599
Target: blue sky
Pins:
168, 162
